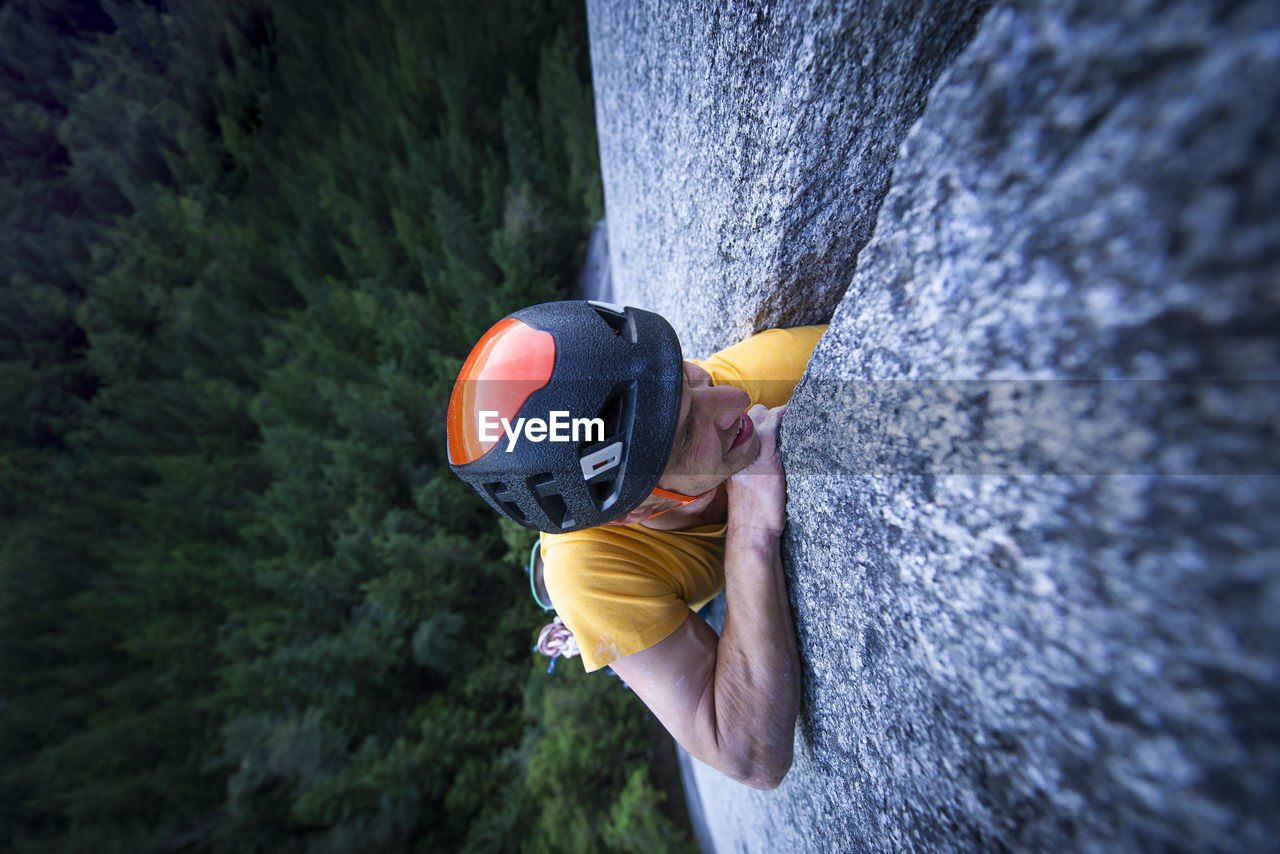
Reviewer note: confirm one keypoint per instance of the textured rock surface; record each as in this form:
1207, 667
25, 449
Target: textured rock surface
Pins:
1033, 469
746, 147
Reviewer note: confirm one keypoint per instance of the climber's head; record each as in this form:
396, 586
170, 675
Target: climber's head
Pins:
714, 438
572, 414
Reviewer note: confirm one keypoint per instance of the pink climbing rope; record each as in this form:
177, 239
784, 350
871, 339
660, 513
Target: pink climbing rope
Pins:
556, 640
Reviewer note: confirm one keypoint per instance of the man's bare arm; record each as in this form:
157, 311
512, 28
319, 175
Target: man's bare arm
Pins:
732, 701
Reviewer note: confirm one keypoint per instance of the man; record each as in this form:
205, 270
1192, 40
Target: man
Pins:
671, 490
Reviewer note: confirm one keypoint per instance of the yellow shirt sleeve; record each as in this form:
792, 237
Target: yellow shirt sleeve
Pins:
623, 588
768, 365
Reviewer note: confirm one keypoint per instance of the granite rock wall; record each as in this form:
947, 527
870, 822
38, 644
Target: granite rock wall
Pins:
746, 147
1033, 468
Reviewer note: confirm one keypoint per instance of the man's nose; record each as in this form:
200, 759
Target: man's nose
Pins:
730, 403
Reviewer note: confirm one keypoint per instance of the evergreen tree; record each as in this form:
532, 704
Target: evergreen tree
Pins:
244, 605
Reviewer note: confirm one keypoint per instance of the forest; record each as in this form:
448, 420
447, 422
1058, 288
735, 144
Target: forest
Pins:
244, 604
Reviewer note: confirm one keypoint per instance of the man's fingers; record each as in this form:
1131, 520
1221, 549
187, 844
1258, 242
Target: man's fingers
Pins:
760, 413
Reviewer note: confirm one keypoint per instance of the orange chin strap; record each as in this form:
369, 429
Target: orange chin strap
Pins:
679, 497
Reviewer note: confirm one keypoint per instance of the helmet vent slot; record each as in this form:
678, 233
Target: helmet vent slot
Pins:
617, 320
604, 491
547, 493
611, 415
504, 498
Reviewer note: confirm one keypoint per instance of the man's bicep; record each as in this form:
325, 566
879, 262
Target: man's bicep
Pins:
676, 679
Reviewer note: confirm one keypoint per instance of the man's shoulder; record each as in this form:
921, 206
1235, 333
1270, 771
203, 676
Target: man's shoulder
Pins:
622, 588
566, 555
611, 569
618, 548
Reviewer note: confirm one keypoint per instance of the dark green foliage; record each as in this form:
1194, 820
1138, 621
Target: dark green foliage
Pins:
244, 605
585, 804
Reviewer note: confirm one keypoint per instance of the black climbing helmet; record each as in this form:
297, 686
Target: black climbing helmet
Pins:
584, 360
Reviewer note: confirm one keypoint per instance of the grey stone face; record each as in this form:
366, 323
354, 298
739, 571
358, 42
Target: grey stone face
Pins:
1033, 469
746, 148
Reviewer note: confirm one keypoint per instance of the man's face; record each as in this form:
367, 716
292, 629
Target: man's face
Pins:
714, 436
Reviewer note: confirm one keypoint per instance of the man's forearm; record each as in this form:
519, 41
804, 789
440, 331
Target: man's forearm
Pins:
757, 675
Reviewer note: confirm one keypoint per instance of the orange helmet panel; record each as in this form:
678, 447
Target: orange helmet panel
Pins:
508, 364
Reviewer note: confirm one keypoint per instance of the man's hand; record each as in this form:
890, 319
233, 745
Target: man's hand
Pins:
758, 493
732, 700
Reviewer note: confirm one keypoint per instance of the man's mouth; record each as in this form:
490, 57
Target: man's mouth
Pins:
745, 429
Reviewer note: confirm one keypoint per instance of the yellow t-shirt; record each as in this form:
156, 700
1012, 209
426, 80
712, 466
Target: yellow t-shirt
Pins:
623, 588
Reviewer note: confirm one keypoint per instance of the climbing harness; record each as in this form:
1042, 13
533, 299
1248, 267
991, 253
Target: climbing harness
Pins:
555, 639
